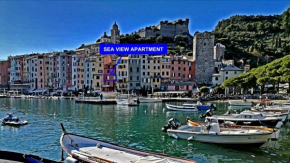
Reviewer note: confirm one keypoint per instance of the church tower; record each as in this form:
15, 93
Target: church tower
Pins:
203, 55
115, 34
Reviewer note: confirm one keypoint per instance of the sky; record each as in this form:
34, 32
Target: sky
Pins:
30, 26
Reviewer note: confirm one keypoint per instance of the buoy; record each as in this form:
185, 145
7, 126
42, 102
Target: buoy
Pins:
174, 136
190, 138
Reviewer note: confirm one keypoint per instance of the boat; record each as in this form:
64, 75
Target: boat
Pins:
232, 103
184, 107
247, 118
190, 107
212, 133
126, 102
284, 116
84, 149
274, 136
8, 156
13, 121
149, 100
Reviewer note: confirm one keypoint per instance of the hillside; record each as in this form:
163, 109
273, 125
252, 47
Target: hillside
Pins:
255, 39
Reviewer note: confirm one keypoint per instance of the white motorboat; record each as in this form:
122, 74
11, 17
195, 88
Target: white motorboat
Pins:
274, 136
270, 114
83, 149
232, 103
184, 107
212, 133
126, 102
248, 118
149, 100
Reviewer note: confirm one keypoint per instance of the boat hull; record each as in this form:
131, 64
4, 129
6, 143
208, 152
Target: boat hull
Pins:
180, 108
253, 140
75, 146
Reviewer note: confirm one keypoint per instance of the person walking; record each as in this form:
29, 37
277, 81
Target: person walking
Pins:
101, 96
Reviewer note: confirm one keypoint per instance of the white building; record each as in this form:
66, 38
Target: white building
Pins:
225, 73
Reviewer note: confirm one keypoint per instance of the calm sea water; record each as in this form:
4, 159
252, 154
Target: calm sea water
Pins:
136, 127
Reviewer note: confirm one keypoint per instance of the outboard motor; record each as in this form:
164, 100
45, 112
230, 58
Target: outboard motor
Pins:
212, 107
208, 113
173, 123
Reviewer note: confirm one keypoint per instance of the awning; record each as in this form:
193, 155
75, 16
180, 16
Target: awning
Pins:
96, 91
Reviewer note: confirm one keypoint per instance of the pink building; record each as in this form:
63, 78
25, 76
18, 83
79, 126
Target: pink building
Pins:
108, 79
182, 69
4, 73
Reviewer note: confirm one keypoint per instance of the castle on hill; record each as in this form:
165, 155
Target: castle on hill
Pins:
166, 29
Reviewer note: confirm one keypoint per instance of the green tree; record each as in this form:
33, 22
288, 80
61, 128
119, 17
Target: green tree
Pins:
286, 21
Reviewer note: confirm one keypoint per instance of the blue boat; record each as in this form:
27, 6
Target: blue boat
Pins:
203, 107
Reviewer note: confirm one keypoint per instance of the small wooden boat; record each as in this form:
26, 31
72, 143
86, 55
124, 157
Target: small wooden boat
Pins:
212, 133
240, 103
83, 149
8, 156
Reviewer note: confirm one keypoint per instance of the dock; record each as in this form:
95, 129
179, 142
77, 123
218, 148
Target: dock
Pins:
96, 101
178, 99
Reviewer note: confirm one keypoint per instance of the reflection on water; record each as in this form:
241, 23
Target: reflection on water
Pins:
136, 127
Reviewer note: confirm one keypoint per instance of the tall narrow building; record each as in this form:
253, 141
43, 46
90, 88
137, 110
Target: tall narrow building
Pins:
203, 55
115, 34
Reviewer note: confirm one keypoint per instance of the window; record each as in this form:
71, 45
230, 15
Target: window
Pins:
173, 75
144, 73
162, 73
226, 78
131, 77
143, 66
235, 72
216, 78
204, 44
227, 72
137, 69
189, 76
162, 66
130, 69
179, 68
178, 74
184, 69
137, 77
172, 68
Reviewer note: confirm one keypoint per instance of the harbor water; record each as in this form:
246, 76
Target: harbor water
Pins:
137, 127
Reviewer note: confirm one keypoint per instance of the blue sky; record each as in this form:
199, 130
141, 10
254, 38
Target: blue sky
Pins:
52, 25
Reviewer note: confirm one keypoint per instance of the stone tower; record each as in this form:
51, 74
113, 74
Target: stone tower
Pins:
115, 34
203, 55
219, 52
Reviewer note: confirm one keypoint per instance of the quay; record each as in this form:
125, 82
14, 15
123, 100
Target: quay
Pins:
96, 101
